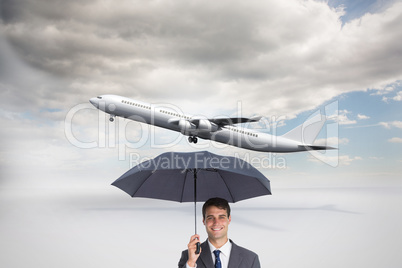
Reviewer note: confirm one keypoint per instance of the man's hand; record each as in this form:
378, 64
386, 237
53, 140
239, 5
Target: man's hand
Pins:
192, 257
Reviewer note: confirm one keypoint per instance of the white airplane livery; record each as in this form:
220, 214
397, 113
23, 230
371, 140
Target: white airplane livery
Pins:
222, 129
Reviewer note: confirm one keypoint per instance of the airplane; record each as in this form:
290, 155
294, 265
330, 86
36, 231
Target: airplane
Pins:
221, 129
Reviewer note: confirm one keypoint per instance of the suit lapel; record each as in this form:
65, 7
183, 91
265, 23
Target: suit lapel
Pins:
206, 256
236, 256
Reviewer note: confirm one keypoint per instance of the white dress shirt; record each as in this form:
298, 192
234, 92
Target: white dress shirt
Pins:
224, 255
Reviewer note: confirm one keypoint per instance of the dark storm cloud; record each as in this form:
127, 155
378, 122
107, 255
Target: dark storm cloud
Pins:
71, 38
290, 55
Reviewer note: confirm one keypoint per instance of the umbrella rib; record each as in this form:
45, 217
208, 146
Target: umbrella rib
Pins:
142, 183
184, 184
227, 186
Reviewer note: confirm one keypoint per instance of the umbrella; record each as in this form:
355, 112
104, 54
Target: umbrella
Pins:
194, 177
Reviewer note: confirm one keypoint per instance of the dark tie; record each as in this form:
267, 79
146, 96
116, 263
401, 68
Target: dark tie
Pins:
218, 263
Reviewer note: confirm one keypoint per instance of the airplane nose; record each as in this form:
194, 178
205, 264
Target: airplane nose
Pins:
94, 102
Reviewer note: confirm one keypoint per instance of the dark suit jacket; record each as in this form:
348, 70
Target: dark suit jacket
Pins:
239, 258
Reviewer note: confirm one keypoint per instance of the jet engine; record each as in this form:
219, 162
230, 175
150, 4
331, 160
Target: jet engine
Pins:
186, 127
204, 125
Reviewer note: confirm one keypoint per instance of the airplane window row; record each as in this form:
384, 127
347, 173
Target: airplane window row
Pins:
136, 104
243, 132
175, 114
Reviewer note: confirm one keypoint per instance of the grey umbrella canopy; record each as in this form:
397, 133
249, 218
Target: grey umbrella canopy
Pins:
194, 177
174, 176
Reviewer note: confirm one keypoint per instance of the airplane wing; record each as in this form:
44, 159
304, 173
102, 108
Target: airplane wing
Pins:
224, 121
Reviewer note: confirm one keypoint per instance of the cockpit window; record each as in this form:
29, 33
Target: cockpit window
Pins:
99, 97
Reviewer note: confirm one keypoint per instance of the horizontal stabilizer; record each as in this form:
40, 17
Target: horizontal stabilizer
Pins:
316, 148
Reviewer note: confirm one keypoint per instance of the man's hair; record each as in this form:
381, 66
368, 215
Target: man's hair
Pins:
216, 202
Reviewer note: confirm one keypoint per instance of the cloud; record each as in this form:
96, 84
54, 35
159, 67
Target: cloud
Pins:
279, 58
398, 96
343, 119
397, 124
376, 158
362, 117
332, 141
395, 140
342, 160
386, 89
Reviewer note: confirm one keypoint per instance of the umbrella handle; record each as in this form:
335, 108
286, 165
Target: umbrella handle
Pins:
197, 251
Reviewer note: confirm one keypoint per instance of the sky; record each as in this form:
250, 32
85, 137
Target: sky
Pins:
283, 60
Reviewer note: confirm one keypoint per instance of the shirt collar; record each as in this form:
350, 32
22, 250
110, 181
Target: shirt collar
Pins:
225, 249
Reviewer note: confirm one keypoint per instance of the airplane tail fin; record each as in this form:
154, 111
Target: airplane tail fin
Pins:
308, 131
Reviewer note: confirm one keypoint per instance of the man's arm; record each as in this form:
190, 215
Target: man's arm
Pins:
183, 259
188, 257
256, 262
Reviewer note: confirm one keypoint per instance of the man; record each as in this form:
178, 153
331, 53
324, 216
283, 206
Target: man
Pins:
217, 251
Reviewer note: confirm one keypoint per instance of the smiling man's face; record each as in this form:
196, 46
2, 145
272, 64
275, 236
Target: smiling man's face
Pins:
216, 223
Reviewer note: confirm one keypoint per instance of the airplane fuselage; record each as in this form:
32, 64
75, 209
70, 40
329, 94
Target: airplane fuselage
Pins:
194, 127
